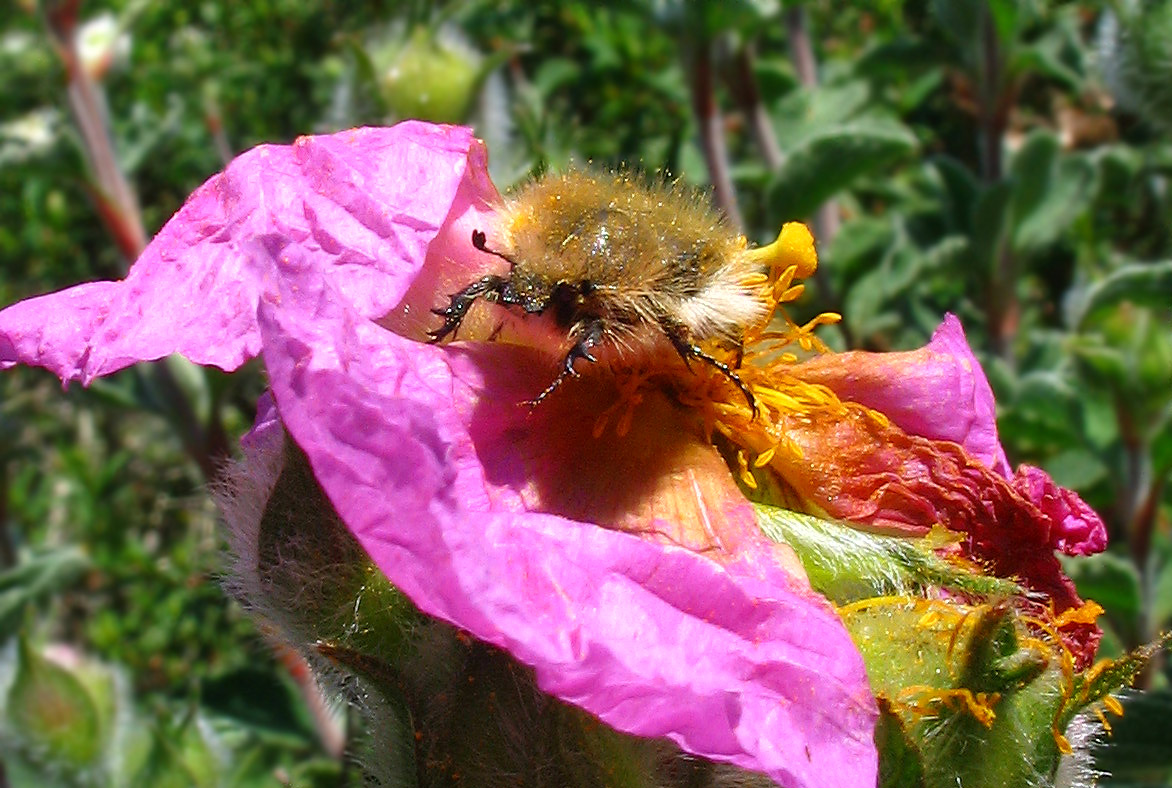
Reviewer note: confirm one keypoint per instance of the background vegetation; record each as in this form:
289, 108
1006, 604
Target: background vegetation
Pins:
1006, 161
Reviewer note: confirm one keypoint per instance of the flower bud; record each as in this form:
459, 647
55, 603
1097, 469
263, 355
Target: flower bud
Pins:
52, 714
433, 76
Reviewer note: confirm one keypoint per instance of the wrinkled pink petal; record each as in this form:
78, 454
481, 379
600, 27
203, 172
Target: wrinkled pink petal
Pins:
938, 392
361, 205
1077, 529
733, 662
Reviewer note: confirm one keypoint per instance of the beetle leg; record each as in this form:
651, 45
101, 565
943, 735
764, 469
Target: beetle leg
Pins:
589, 336
689, 350
462, 301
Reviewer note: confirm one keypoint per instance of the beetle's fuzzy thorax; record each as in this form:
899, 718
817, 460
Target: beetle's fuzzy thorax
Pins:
619, 265
639, 256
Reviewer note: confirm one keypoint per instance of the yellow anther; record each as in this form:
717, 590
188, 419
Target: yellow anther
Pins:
784, 281
792, 293
928, 619
794, 246
824, 319
745, 474
600, 423
924, 700
1086, 613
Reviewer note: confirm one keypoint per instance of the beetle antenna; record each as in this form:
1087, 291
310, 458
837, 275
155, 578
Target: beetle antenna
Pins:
479, 240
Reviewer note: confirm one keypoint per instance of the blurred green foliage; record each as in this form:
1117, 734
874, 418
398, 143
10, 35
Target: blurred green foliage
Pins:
1007, 161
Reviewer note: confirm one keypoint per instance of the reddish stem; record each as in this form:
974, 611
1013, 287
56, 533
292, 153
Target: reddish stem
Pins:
825, 220
118, 208
711, 124
329, 731
744, 89
115, 199
994, 100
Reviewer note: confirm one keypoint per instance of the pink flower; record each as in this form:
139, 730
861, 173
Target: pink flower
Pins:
675, 619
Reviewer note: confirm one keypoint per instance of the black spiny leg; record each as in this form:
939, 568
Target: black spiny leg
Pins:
462, 301
589, 336
688, 351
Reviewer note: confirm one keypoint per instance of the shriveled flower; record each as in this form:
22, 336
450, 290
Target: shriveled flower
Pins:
901, 442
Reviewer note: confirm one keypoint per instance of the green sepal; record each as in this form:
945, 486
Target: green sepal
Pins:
978, 698
439, 708
994, 660
314, 578
1109, 676
847, 564
902, 763
486, 722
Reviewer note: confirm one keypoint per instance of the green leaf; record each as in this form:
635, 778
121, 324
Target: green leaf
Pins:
179, 757
1049, 56
21, 771
852, 251
259, 700
1162, 592
1077, 469
806, 113
961, 21
1140, 283
35, 578
961, 191
832, 160
1050, 191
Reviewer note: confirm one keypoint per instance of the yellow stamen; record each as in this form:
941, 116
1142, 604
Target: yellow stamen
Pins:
784, 280
792, 293
1103, 720
1113, 705
794, 246
630, 383
924, 700
600, 422
929, 618
745, 474
824, 319
945, 609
